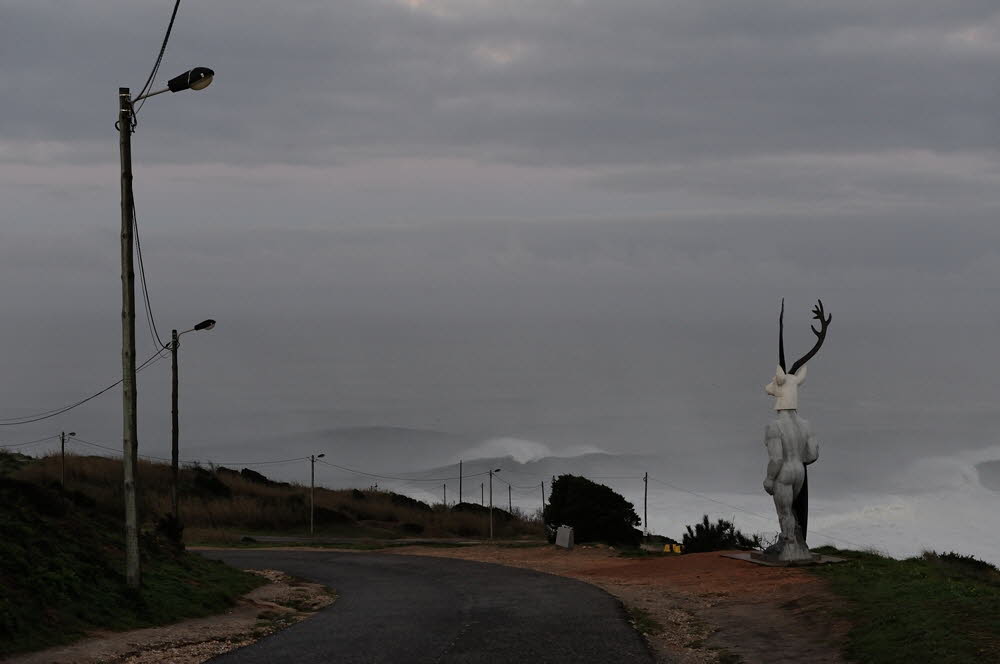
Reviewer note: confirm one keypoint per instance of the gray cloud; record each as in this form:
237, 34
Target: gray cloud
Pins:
563, 221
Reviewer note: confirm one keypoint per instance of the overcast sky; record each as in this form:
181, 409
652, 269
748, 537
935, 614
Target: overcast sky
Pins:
566, 221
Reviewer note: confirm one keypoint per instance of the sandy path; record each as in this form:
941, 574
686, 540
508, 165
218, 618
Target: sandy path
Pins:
712, 608
260, 612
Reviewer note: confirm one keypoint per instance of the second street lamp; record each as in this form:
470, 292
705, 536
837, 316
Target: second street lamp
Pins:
130, 433
62, 444
174, 420
312, 489
491, 501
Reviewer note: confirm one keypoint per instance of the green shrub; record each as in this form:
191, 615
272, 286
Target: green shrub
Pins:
596, 512
719, 536
400, 500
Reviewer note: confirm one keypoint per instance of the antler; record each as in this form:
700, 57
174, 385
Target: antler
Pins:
824, 322
781, 337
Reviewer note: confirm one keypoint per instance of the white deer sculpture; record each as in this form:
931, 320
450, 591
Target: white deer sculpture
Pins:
791, 447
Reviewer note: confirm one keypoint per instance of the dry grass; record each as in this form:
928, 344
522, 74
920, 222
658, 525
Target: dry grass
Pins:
221, 506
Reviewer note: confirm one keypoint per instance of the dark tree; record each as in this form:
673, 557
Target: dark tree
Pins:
596, 512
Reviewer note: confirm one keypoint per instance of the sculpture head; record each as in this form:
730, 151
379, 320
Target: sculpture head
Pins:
785, 387
785, 384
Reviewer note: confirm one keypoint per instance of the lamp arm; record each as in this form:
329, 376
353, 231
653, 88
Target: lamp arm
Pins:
150, 94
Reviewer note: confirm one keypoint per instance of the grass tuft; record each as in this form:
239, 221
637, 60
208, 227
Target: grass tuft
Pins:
643, 621
62, 574
935, 608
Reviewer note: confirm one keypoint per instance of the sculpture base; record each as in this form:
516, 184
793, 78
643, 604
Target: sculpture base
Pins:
772, 561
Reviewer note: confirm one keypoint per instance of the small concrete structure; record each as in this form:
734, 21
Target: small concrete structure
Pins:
564, 537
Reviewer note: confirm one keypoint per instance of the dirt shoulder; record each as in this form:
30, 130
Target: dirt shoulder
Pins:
263, 611
697, 607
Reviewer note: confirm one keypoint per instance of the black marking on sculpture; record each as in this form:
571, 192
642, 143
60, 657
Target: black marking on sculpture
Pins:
800, 506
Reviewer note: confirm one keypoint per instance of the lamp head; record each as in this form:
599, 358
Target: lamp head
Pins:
71, 433
204, 325
198, 78
320, 456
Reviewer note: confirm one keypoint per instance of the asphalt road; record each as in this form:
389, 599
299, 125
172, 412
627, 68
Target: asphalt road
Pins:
402, 609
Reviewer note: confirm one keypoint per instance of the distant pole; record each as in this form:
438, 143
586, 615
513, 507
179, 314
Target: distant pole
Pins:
491, 505
62, 443
459, 480
645, 510
174, 433
510, 506
312, 490
542, 513
444, 487
482, 495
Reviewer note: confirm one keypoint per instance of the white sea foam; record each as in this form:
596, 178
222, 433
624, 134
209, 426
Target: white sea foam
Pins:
523, 451
930, 504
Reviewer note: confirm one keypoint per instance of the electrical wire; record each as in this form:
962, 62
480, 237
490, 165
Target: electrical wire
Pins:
531, 487
746, 511
30, 442
44, 415
148, 305
190, 461
156, 65
392, 477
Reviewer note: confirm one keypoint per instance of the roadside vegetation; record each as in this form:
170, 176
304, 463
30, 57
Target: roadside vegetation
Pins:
719, 536
222, 506
942, 608
62, 572
596, 512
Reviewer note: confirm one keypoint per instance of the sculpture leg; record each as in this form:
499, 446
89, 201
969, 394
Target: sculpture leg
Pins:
783, 506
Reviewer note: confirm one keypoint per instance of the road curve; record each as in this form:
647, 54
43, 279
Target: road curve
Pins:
402, 609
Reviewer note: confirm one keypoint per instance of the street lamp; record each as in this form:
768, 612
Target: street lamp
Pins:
130, 439
62, 444
198, 78
174, 432
312, 490
491, 501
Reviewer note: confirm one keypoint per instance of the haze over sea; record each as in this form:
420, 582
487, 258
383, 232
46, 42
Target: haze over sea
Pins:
423, 225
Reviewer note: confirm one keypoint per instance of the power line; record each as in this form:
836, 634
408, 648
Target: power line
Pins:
44, 415
191, 461
746, 511
531, 487
159, 59
30, 442
392, 477
150, 319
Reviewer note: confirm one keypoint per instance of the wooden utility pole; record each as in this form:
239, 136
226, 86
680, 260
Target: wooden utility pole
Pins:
130, 438
312, 491
491, 504
645, 510
459, 480
510, 505
444, 488
62, 444
482, 495
174, 422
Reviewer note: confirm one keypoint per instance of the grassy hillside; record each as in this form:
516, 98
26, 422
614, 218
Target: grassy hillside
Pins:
936, 608
219, 505
62, 572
